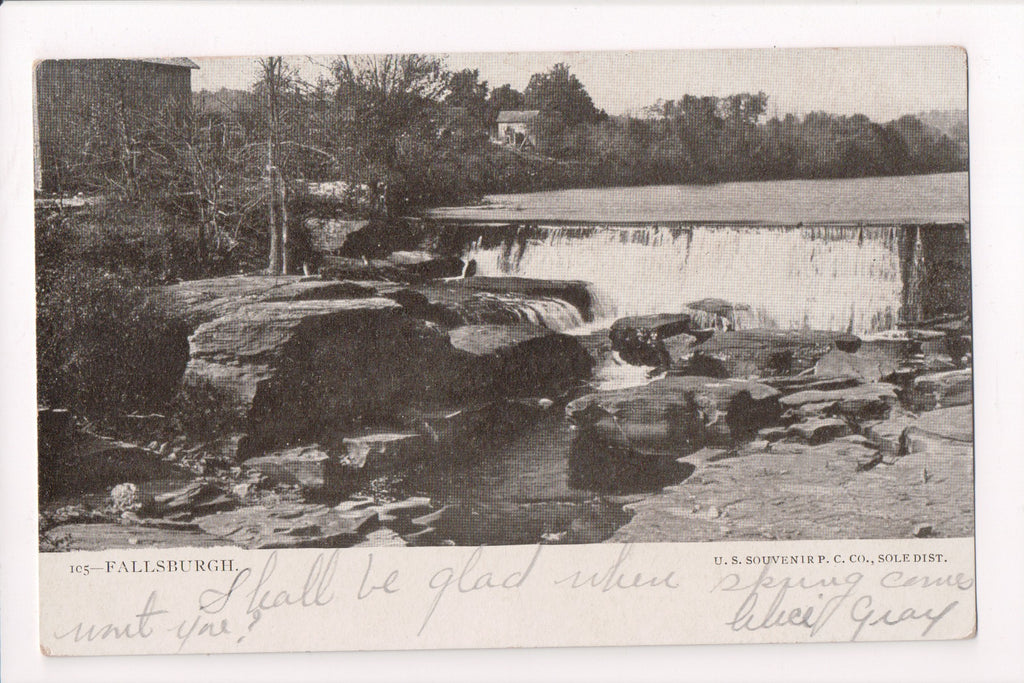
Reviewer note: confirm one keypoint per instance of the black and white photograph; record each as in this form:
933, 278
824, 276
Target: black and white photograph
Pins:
496, 299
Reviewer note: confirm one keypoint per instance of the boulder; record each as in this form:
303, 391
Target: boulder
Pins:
197, 498
289, 525
699, 364
819, 430
639, 339
674, 415
848, 343
310, 467
203, 300
942, 390
760, 352
294, 371
682, 352
837, 363
887, 435
867, 401
328, 235
509, 360
378, 451
722, 314
93, 463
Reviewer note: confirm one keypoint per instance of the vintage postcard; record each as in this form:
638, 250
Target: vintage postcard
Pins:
405, 351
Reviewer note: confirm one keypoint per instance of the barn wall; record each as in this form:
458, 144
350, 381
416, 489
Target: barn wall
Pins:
71, 95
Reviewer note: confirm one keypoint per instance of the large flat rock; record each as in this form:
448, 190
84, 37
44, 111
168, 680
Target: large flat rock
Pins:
290, 371
674, 415
203, 300
943, 389
558, 304
289, 525
394, 268
522, 359
797, 491
760, 352
107, 536
866, 401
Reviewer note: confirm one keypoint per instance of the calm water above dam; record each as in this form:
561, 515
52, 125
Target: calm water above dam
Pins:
937, 198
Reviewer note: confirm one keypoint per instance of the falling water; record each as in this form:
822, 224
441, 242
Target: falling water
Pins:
487, 307
829, 278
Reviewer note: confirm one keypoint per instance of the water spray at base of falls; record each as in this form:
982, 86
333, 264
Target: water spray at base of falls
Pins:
844, 278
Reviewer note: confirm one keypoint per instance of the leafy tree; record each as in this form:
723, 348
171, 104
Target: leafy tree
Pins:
505, 98
467, 91
387, 118
560, 91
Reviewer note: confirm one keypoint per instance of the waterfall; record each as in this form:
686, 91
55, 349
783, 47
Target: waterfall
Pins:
487, 307
818, 277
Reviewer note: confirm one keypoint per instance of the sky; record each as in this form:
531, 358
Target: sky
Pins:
883, 83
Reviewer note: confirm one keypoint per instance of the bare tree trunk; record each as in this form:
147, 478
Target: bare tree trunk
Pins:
201, 240
282, 199
198, 188
277, 262
274, 265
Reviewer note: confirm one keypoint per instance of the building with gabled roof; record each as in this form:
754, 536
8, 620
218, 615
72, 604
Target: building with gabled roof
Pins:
513, 127
70, 96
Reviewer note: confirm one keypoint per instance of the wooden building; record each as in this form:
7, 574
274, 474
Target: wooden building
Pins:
74, 99
513, 127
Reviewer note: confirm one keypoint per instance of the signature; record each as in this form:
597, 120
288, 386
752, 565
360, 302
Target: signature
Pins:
776, 601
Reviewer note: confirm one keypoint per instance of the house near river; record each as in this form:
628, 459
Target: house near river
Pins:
513, 128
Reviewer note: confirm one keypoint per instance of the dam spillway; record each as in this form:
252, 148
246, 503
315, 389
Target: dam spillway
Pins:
843, 277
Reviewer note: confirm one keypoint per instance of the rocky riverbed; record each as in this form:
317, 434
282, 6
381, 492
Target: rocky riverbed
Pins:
394, 403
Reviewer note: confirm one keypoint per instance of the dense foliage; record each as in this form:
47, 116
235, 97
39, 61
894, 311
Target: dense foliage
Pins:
405, 123
104, 346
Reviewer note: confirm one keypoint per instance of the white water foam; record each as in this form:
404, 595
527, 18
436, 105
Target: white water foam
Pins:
791, 278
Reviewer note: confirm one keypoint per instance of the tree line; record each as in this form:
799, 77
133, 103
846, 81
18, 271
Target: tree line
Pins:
406, 123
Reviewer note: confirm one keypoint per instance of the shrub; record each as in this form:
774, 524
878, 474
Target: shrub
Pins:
104, 347
203, 412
